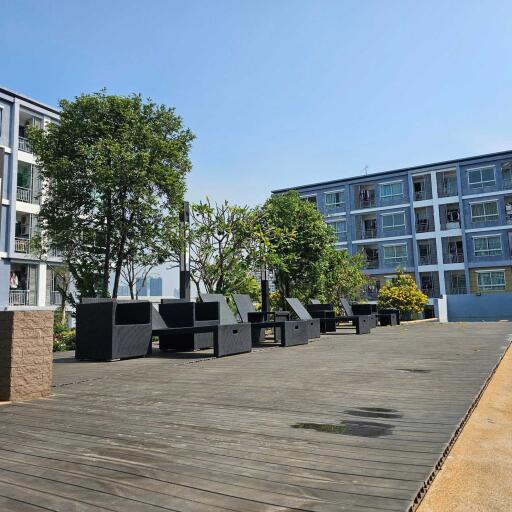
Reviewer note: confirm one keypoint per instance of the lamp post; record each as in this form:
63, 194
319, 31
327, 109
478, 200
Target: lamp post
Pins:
185, 253
265, 306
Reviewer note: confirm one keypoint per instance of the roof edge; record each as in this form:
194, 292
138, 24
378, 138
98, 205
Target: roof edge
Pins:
28, 99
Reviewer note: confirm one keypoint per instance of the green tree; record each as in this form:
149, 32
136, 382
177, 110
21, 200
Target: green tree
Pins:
113, 174
343, 276
224, 243
299, 242
402, 293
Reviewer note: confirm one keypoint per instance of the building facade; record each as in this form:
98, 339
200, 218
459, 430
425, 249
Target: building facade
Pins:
449, 224
25, 280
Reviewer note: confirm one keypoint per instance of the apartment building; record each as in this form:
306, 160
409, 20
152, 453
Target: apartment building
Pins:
449, 224
24, 279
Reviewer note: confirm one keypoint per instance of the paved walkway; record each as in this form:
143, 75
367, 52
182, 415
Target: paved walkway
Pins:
477, 475
345, 423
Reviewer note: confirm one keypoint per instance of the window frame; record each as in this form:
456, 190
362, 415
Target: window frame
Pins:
395, 226
484, 219
333, 223
339, 204
491, 286
487, 252
395, 257
481, 184
393, 195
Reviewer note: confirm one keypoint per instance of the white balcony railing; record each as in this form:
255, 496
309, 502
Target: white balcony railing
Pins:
24, 145
55, 298
24, 194
22, 298
22, 245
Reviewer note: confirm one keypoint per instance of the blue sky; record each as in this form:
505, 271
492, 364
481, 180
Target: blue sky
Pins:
282, 93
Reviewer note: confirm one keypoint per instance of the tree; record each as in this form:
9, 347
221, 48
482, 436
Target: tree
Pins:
113, 174
343, 276
402, 293
224, 242
299, 241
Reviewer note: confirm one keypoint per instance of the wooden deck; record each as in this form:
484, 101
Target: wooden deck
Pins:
195, 434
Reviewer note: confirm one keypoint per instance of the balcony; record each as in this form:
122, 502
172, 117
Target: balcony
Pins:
372, 263
429, 284
449, 216
365, 196
22, 245
22, 298
24, 145
447, 184
422, 187
455, 282
54, 252
396, 261
55, 298
364, 234
453, 250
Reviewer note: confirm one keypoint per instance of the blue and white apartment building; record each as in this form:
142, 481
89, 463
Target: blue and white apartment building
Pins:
449, 224
24, 279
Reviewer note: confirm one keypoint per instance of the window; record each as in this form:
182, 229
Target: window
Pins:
311, 199
395, 253
491, 280
483, 177
391, 190
487, 245
334, 199
393, 221
482, 212
340, 230
155, 286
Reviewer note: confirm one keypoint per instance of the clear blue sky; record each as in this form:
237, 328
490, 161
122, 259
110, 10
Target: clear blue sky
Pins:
282, 93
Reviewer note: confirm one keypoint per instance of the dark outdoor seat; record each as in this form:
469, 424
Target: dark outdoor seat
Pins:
229, 338
329, 319
384, 317
291, 333
107, 329
301, 313
182, 313
287, 332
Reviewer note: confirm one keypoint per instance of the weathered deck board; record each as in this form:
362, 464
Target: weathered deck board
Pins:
191, 433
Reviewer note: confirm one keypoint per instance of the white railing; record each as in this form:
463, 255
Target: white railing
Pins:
24, 145
24, 194
54, 252
22, 298
22, 245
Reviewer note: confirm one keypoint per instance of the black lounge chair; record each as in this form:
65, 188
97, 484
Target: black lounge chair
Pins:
229, 337
109, 330
291, 333
388, 317
302, 314
329, 319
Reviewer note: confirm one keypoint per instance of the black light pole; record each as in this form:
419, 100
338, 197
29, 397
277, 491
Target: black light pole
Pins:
265, 306
185, 254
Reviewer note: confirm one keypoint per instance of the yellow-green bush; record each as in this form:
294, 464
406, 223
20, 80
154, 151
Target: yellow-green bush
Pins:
402, 293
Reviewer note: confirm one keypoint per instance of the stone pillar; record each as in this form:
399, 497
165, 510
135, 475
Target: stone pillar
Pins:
26, 354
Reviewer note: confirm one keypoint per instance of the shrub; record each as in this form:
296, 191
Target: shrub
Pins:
63, 338
402, 293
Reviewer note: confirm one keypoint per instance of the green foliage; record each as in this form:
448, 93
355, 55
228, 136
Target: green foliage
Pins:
298, 244
224, 243
343, 276
113, 174
64, 338
402, 293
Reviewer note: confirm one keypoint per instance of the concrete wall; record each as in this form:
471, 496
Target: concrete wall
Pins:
476, 308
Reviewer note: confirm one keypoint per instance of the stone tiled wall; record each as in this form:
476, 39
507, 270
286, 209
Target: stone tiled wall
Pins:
26, 344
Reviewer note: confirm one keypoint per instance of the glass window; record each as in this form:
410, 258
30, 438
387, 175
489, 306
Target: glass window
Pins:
155, 286
334, 199
481, 212
395, 253
492, 280
487, 245
393, 220
483, 177
311, 199
391, 190
506, 173
340, 230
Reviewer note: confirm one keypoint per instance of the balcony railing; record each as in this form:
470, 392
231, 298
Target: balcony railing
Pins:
55, 298
456, 257
431, 291
450, 224
22, 245
371, 294
448, 188
54, 252
452, 290
341, 237
506, 184
365, 203
22, 298
24, 145
399, 260
422, 195
24, 194
372, 263
424, 225
427, 259
363, 234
